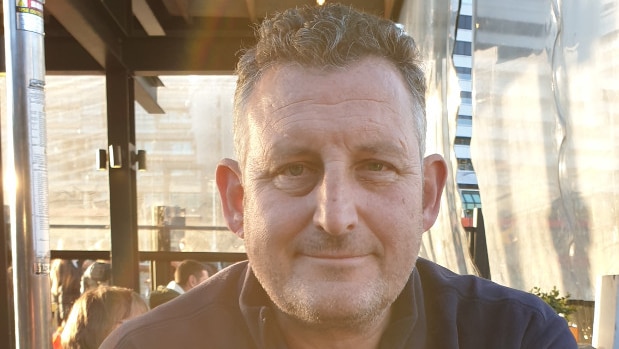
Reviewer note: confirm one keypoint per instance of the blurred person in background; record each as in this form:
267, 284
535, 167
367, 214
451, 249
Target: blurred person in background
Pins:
65, 276
96, 273
188, 274
96, 313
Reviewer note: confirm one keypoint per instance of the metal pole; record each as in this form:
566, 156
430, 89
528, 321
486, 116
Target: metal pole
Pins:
25, 68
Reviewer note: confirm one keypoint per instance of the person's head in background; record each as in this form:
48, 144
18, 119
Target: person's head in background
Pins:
97, 312
161, 295
65, 276
190, 273
330, 190
96, 273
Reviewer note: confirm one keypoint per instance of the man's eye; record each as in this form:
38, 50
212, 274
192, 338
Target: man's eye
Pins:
296, 178
375, 166
295, 170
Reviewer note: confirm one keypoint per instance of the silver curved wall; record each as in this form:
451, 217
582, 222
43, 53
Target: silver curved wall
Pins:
545, 137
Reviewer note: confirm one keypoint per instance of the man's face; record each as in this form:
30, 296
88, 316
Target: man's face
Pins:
332, 193
203, 277
195, 280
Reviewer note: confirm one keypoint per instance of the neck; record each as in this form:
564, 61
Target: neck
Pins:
301, 335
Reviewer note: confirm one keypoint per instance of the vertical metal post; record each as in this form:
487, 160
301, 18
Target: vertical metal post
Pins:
7, 335
25, 68
123, 191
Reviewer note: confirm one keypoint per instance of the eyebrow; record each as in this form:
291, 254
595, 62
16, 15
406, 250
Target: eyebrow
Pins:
383, 148
285, 149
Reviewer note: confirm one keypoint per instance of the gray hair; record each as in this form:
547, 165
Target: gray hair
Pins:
327, 37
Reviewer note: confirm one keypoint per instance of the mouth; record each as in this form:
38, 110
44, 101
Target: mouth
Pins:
331, 251
337, 259
333, 255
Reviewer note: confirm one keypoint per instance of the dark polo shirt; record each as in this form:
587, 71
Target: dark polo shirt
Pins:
437, 309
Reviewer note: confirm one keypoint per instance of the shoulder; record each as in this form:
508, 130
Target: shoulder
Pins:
202, 315
161, 295
476, 308
442, 282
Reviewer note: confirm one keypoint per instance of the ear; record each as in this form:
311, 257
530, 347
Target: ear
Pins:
228, 178
434, 177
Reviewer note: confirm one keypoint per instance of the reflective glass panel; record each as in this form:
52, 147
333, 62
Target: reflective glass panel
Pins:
178, 201
79, 208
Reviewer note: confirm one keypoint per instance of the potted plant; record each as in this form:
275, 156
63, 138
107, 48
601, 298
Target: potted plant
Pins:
559, 303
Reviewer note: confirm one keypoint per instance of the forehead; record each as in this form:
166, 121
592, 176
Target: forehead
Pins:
369, 91
371, 78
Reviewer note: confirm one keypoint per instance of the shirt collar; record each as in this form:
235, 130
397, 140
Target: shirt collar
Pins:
407, 323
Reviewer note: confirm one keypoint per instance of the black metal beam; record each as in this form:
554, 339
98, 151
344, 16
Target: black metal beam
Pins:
123, 191
165, 256
200, 256
80, 254
64, 56
91, 26
96, 27
150, 56
121, 12
174, 56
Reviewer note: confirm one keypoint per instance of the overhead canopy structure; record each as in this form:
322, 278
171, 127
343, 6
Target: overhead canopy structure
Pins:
156, 37
160, 37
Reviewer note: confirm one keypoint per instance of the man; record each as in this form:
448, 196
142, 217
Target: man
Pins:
188, 274
331, 194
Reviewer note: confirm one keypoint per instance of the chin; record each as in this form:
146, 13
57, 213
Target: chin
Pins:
334, 304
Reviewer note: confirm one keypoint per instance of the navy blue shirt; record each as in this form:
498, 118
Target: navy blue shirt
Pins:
437, 309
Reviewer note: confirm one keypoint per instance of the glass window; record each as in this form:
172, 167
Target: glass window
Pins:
470, 199
465, 165
465, 22
79, 207
463, 70
462, 140
462, 48
183, 148
464, 121
178, 201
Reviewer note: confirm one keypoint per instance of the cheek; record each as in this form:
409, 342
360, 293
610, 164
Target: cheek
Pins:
399, 205
272, 219
398, 221
401, 240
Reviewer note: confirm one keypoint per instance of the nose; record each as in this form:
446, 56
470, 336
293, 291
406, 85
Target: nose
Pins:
336, 212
